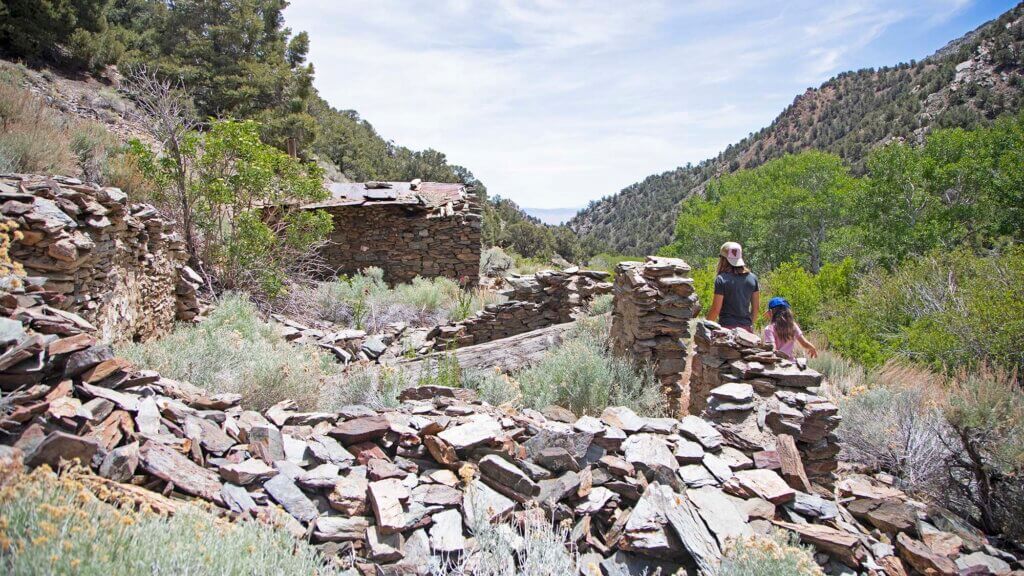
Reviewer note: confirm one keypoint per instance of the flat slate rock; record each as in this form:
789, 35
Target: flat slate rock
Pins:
341, 528
720, 513
171, 466
735, 392
760, 483
291, 498
266, 443
889, 516
701, 431
57, 446
649, 452
688, 452
622, 418
842, 545
361, 429
683, 518
479, 431
386, 497
696, 476
508, 475
247, 472
923, 559
446, 533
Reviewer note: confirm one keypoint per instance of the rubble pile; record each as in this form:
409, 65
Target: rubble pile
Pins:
119, 266
535, 301
756, 397
349, 344
654, 303
401, 489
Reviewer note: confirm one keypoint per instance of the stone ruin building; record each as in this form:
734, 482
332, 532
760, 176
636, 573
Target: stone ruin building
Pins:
407, 229
395, 490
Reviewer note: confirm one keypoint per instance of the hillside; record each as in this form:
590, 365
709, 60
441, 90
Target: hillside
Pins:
970, 81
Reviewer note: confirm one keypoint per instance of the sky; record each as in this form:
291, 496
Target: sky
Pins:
556, 103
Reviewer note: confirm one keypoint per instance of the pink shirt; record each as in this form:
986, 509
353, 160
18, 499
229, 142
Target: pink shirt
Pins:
784, 349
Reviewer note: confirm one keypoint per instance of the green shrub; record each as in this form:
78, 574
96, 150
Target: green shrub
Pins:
235, 351
584, 377
533, 548
57, 526
945, 309
810, 294
895, 425
601, 304
778, 554
493, 387
607, 261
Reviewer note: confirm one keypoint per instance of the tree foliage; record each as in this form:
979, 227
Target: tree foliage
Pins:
849, 115
790, 209
241, 196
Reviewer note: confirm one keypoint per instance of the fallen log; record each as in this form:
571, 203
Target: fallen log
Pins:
507, 354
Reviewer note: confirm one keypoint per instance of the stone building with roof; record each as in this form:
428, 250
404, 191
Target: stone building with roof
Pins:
407, 229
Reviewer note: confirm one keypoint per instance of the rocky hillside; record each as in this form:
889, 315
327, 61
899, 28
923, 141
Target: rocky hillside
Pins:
970, 81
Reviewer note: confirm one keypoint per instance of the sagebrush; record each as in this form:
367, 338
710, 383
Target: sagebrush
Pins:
234, 350
55, 525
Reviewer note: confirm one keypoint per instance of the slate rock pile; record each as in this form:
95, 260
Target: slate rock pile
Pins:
400, 490
654, 303
534, 301
120, 266
755, 397
348, 344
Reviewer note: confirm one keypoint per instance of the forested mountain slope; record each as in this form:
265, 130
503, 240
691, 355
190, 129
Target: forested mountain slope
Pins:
972, 80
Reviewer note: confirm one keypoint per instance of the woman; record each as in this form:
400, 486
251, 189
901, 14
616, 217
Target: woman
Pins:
737, 294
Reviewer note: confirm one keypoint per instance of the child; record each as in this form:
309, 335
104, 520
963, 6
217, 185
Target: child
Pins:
783, 331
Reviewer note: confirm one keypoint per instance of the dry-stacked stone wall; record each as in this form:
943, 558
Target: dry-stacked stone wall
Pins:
120, 266
654, 303
756, 397
407, 241
534, 301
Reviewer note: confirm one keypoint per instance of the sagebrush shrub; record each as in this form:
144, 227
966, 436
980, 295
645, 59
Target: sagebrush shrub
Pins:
778, 554
366, 302
234, 350
583, 376
54, 525
896, 425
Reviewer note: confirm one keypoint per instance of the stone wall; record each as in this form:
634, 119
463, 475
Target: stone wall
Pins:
654, 302
546, 298
407, 241
119, 266
756, 397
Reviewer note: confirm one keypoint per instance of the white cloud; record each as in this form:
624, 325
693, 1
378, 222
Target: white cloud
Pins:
553, 103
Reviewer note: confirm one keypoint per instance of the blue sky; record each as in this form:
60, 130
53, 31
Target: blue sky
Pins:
556, 103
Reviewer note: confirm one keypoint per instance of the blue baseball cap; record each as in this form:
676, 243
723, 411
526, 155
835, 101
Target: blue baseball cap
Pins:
778, 302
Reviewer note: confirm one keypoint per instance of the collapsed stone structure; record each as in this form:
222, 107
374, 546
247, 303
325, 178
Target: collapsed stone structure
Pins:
120, 266
402, 489
534, 301
654, 303
407, 229
756, 397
